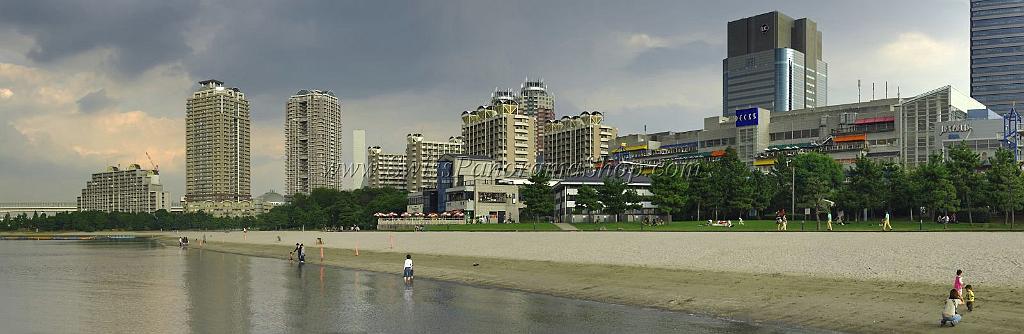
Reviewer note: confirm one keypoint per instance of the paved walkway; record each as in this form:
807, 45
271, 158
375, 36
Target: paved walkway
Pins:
566, 227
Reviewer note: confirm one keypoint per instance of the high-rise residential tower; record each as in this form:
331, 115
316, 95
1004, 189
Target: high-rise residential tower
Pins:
421, 157
217, 144
502, 133
997, 53
312, 129
536, 101
774, 62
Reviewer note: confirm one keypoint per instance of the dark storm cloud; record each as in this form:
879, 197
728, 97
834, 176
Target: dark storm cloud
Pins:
95, 101
142, 34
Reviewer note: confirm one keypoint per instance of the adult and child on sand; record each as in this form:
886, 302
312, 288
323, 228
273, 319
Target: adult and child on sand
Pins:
956, 298
300, 252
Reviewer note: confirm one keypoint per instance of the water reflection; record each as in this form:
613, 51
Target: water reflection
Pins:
142, 287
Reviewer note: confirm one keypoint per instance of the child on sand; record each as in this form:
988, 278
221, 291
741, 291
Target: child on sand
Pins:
407, 269
970, 298
958, 282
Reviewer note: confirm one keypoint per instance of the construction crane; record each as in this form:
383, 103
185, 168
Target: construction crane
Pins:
151, 164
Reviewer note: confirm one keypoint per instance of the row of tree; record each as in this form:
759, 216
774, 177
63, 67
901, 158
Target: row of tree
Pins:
961, 184
321, 209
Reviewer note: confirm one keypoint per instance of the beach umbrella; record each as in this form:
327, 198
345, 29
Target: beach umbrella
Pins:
432, 215
446, 214
405, 214
418, 214
378, 214
392, 214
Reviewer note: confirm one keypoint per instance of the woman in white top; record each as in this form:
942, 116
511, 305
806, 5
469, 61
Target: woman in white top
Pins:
949, 309
407, 269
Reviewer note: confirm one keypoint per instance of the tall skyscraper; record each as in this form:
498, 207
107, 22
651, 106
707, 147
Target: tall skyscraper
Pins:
217, 144
501, 132
536, 101
124, 190
997, 53
775, 63
312, 129
421, 157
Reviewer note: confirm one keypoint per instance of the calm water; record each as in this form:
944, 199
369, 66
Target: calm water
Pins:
142, 287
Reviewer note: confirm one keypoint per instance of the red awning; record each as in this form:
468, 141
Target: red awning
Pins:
873, 120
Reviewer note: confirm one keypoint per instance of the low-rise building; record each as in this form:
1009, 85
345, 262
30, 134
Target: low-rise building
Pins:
902, 130
565, 191
34, 209
468, 184
222, 209
124, 190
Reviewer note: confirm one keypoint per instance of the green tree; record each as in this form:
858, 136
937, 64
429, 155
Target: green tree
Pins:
932, 185
588, 201
731, 185
963, 167
818, 177
897, 191
617, 198
765, 188
864, 188
1005, 185
670, 190
699, 185
538, 197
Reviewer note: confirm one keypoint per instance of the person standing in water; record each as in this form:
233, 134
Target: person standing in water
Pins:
407, 269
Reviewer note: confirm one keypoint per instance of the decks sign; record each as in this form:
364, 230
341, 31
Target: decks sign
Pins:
959, 127
746, 117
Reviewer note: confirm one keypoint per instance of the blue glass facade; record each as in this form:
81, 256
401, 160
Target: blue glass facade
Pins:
997, 53
444, 181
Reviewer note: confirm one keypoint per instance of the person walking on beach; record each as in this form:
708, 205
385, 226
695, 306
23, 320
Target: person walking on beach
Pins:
828, 224
407, 269
949, 309
958, 282
302, 253
885, 222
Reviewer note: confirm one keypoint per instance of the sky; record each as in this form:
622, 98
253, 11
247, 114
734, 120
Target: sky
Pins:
87, 84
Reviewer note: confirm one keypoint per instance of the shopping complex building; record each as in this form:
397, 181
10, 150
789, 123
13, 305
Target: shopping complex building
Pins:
901, 130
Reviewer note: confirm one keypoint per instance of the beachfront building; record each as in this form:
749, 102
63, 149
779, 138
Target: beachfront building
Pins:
474, 185
902, 130
385, 170
774, 62
217, 144
981, 131
312, 131
132, 189
567, 188
501, 132
421, 157
997, 53
536, 101
578, 141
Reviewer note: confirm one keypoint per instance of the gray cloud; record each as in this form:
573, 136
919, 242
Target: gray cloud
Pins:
142, 34
95, 101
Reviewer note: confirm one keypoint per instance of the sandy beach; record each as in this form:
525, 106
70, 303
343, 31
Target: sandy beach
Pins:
853, 282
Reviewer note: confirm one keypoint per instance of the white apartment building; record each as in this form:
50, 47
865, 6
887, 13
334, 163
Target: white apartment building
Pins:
124, 190
385, 170
421, 157
501, 132
312, 128
578, 141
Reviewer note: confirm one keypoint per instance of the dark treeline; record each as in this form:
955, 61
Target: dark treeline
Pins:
321, 209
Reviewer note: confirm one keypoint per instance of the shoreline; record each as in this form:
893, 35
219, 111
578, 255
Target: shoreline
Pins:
772, 299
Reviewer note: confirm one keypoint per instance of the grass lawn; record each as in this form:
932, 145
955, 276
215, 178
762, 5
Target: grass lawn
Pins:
769, 225
494, 227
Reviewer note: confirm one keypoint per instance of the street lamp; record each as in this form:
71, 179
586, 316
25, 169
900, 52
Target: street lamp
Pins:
792, 186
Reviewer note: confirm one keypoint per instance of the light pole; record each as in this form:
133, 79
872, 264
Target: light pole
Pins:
792, 186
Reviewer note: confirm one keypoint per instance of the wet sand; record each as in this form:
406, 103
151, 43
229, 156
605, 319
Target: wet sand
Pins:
854, 282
